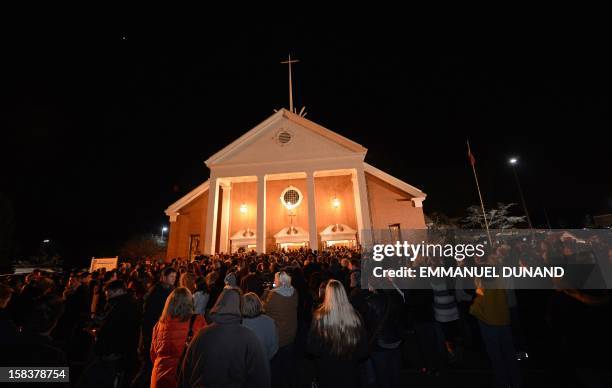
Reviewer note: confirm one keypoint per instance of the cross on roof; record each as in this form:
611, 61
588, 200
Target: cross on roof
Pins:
289, 62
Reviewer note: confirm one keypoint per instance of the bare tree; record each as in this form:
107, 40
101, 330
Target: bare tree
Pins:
498, 218
437, 221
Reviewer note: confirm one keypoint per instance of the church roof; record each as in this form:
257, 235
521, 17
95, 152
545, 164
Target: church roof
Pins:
187, 198
243, 140
393, 181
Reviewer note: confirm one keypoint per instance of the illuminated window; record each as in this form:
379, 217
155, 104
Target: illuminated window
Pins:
291, 197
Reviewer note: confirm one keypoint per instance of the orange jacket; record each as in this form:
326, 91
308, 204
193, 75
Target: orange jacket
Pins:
166, 349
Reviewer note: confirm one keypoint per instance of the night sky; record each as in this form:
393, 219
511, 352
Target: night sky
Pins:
102, 129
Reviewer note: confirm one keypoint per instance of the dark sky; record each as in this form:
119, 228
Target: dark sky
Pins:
99, 134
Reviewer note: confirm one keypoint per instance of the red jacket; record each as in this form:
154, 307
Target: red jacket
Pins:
166, 349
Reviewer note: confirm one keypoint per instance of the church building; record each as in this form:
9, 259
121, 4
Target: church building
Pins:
290, 183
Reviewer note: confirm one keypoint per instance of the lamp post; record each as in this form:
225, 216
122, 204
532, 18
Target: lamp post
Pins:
163, 230
513, 162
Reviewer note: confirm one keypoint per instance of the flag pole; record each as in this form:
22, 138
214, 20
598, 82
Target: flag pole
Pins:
484, 213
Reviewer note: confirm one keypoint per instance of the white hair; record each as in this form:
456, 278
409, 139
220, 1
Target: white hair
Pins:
282, 279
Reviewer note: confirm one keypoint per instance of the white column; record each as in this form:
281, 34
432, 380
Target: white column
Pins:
312, 211
362, 208
225, 217
261, 214
211, 216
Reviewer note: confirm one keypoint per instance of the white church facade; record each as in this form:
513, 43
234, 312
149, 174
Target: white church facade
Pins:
290, 183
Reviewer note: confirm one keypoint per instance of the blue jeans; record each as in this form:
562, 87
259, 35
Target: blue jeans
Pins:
498, 341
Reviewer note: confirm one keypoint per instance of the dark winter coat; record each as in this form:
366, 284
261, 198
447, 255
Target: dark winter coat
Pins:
118, 333
225, 354
333, 370
153, 307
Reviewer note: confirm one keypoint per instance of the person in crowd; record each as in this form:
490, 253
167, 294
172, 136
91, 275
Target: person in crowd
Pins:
213, 288
98, 293
116, 344
491, 309
77, 311
154, 302
188, 281
354, 274
384, 322
345, 273
225, 354
337, 340
34, 345
230, 280
117, 335
252, 282
281, 303
304, 311
254, 317
8, 329
263, 269
311, 265
170, 335
136, 288
420, 312
200, 296
335, 269
314, 283
446, 314
242, 269
579, 321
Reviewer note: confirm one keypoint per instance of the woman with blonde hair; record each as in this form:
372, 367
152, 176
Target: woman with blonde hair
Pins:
171, 336
188, 281
337, 339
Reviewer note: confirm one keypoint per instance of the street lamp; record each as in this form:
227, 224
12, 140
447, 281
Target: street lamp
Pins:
513, 162
164, 229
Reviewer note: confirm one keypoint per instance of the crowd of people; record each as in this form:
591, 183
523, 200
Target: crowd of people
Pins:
285, 319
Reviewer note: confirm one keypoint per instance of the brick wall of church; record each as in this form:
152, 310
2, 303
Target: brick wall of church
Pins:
386, 209
243, 193
188, 223
341, 187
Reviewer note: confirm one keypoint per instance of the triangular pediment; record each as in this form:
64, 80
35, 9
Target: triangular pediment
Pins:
285, 136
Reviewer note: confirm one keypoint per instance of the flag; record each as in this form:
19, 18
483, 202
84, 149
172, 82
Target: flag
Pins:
471, 156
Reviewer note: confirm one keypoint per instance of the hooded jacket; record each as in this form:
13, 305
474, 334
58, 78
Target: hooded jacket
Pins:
225, 353
281, 305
